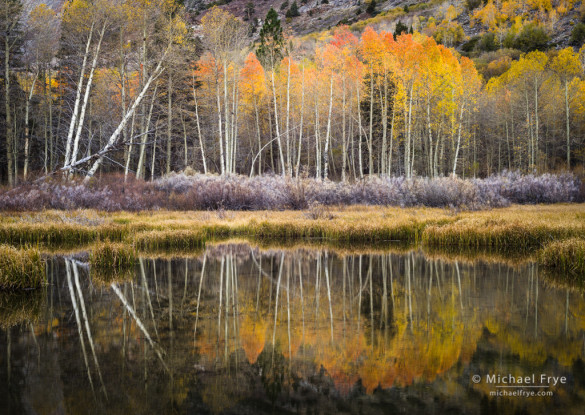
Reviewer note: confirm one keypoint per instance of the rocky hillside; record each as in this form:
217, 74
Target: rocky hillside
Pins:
457, 18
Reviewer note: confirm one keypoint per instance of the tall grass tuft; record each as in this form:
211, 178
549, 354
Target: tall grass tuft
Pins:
59, 234
111, 261
174, 239
566, 256
21, 268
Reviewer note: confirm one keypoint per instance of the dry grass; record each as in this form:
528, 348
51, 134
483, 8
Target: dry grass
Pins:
109, 261
566, 256
525, 227
20, 268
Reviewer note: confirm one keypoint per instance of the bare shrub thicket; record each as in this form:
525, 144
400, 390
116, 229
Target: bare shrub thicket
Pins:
208, 192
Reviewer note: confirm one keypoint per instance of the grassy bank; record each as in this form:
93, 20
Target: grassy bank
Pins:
566, 256
516, 228
20, 268
110, 261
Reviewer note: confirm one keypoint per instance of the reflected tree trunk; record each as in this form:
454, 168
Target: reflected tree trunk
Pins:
199, 297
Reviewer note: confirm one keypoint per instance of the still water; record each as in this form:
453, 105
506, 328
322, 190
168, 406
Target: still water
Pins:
239, 330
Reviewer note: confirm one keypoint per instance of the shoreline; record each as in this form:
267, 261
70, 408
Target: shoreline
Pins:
551, 235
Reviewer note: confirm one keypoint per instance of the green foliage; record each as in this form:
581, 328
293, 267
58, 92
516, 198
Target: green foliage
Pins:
371, 9
284, 5
487, 43
578, 34
532, 37
293, 11
509, 40
470, 45
271, 46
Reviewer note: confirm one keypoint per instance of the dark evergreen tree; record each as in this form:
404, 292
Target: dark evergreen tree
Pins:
400, 29
578, 35
531, 37
271, 46
371, 7
250, 11
293, 11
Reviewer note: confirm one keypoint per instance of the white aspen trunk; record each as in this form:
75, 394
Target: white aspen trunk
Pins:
199, 130
50, 100
114, 137
288, 149
77, 99
458, 141
568, 124
169, 123
328, 136
317, 141
185, 148
407, 169
86, 97
391, 139
45, 127
278, 140
152, 160
536, 156
529, 127
234, 123
360, 159
145, 126
259, 141
226, 119
231, 159
221, 156
26, 129
430, 132
384, 105
343, 138
127, 167
371, 135
438, 141
127, 152
301, 123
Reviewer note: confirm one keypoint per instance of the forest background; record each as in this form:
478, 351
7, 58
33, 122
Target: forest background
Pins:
148, 88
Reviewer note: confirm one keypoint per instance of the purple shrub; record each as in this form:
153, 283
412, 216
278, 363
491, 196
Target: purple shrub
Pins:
209, 192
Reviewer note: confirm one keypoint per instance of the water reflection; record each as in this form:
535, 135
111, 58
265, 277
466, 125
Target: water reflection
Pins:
238, 330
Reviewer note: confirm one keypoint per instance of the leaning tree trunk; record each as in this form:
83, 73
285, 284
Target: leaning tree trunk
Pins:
73, 121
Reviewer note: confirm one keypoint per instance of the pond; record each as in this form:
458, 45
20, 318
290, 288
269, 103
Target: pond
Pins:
236, 329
